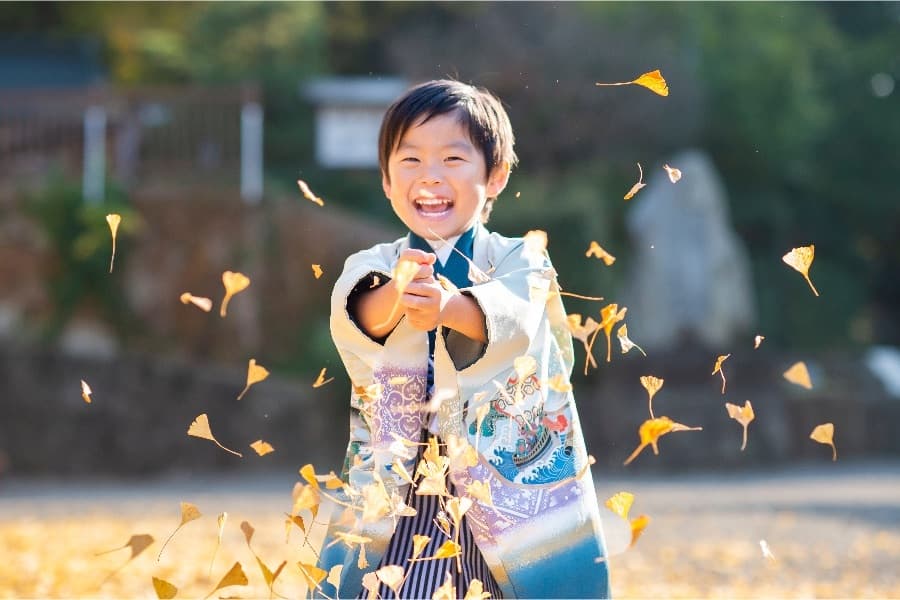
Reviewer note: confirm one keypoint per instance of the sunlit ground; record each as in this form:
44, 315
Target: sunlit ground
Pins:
834, 530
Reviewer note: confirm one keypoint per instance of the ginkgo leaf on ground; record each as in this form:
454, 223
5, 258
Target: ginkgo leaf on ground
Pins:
597, 251
317, 271
86, 391
200, 428
799, 375
320, 380
718, 368
801, 259
652, 80
743, 415
652, 385
189, 512
308, 193
637, 186
113, 220
235, 576
625, 342
234, 283
650, 431
255, 374
824, 434
262, 448
204, 304
164, 590
673, 173
221, 519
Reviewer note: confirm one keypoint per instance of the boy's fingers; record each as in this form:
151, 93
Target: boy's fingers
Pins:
426, 272
419, 256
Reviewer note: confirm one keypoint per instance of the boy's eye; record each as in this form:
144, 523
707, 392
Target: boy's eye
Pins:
455, 158
409, 159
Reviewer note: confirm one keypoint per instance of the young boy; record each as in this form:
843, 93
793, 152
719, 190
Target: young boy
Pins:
467, 357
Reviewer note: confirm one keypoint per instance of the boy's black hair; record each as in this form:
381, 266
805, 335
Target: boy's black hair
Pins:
479, 112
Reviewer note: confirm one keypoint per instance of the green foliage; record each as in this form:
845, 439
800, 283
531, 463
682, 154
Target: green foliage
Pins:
80, 247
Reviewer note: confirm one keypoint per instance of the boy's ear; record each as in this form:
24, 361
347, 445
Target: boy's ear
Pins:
498, 179
386, 185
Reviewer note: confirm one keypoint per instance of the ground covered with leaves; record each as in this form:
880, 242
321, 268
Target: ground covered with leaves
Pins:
832, 531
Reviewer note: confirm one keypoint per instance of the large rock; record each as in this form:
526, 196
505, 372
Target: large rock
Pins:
690, 275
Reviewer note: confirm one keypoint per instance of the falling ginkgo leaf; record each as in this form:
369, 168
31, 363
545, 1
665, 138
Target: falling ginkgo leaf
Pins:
718, 368
673, 173
609, 316
824, 434
138, 543
234, 283
518, 194
392, 576
652, 385
204, 304
200, 428
625, 342
597, 251
308, 194
221, 521
652, 80
255, 374
637, 186
650, 431
447, 591
799, 375
235, 576
189, 512
757, 341
536, 241
559, 383
638, 525
312, 574
743, 415
317, 271
86, 391
404, 272
766, 552
476, 591
164, 590
620, 503
582, 332
320, 380
262, 448
113, 220
801, 259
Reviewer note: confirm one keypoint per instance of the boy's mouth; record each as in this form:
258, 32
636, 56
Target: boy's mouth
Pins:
433, 207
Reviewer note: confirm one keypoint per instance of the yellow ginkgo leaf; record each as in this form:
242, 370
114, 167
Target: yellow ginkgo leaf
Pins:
559, 383
391, 576
262, 448
248, 530
235, 576
718, 368
189, 512
204, 304
255, 374
447, 591
625, 342
457, 507
334, 578
308, 194
638, 525
419, 543
536, 241
222, 518
317, 271
481, 491
320, 380
371, 584
799, 375
113, 220
582, 332
757, 341
609, 316
637, 186
200, 428
620, 503
650, 431
801, 259
524, 366
86, 391
164, 590
476, 591
652, 80
234, 283
138, 543
652, 385
448, 549
597, 251
824, 434
743, 415
404, 272
673, 173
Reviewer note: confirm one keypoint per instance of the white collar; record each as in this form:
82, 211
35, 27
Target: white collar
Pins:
443, 250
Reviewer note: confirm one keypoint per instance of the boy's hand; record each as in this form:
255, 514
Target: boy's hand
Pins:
424, 301
425, 261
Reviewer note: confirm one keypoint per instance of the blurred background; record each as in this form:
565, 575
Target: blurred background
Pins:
194, 121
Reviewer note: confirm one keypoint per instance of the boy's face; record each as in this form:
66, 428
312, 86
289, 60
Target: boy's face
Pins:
436, 179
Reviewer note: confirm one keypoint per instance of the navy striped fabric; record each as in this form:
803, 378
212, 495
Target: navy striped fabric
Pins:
424, 577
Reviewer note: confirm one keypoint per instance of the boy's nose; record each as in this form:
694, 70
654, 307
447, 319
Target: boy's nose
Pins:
431, 176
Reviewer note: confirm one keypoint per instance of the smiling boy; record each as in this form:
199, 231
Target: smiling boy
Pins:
463, 357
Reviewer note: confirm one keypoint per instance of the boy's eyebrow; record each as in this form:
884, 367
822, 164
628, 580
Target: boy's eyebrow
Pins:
460, 145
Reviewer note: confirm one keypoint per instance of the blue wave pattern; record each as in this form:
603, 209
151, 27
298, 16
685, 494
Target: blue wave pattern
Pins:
562, 465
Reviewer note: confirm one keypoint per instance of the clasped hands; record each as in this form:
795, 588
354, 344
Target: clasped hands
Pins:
424, 300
